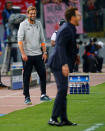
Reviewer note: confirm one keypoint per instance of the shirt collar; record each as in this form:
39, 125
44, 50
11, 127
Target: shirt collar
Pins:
72, 26
31, 24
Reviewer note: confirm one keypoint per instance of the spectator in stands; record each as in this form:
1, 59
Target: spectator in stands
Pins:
59, 1
6, 14
99, 58
7, 32
56, 1
92, 62
67, 1
51, 1
46, 1
77, 61
1, 84
89, 60
53, 37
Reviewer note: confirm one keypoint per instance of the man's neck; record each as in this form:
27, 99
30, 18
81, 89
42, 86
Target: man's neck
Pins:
31, 22
72, 22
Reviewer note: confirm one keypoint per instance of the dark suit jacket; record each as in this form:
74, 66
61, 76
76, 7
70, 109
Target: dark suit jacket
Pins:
65, 49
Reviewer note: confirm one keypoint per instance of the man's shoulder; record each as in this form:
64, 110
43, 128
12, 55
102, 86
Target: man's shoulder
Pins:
65, 28
38, 22
23, 23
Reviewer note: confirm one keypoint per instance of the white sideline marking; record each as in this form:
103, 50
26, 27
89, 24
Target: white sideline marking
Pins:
12, 105
10, 96
17, 93
92, 128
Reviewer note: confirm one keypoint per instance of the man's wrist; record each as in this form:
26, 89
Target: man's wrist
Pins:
45, 52
23, 53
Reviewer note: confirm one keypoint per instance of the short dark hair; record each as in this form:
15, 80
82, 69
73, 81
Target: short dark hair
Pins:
8, 2
69, 13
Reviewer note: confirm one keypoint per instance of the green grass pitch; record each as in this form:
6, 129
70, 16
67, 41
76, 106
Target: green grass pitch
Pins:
86, 110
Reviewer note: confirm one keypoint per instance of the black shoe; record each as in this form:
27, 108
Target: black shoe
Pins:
67, 123
53, 122
2, 85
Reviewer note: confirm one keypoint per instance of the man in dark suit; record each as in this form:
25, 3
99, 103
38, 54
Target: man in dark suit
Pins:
61, 61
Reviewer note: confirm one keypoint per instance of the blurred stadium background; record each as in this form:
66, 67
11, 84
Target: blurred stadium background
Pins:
92, 25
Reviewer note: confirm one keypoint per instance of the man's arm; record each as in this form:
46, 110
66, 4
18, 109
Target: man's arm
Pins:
24, 56
5, 20
65, 38
53, 39
44, 56
43, 45
21, 34
52, 43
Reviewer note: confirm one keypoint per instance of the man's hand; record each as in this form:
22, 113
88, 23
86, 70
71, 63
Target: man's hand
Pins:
65, 70
0, 53
77, 59
44, 57
24, 57
52, 43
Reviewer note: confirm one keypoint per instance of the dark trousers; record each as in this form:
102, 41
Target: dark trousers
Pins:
60, 104
99, 62
92, 64
89, 64
38, 64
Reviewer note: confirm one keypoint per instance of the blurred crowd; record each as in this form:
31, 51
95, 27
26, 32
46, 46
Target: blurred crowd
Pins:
92, 60
59, 1
91, 54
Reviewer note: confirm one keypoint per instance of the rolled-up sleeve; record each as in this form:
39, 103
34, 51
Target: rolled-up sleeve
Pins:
21, 33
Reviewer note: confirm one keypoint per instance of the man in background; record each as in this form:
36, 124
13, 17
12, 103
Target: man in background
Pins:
30, 40
7, 12
61, 62
53, 37
1, 84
